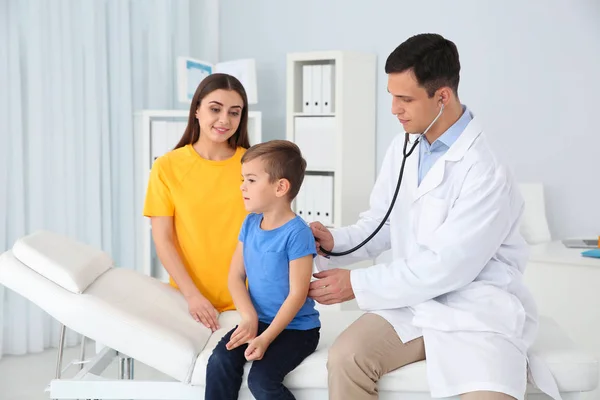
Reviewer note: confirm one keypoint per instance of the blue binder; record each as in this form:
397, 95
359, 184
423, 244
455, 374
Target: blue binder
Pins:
591, 253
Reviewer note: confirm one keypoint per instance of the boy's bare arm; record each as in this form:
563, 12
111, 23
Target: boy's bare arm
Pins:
237, 284
300, 275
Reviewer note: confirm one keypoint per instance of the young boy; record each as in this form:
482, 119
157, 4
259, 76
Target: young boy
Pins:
280, 325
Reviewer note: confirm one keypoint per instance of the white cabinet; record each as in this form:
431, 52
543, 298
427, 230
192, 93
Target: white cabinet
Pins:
330, 115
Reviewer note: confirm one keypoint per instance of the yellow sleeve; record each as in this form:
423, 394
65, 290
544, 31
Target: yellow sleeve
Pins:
159, 202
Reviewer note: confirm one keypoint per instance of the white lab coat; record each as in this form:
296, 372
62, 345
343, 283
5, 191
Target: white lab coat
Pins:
456, 274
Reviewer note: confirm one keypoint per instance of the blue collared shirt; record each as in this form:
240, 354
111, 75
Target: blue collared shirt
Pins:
430, 153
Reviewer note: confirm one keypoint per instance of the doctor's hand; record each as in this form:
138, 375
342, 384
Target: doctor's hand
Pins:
203, 311
244, 333
323, 237
257, 348
333, 286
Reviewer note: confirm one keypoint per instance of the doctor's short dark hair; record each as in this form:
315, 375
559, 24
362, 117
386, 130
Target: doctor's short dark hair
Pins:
283, 160
433, 59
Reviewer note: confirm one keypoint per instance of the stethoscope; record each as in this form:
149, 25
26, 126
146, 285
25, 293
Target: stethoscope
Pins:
389, 211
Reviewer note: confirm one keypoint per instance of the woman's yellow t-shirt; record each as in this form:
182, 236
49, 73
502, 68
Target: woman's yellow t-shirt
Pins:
206, 204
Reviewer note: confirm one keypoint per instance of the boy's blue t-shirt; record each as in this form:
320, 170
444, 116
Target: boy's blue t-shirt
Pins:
267, 256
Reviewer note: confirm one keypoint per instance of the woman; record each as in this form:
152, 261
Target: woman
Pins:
194, 199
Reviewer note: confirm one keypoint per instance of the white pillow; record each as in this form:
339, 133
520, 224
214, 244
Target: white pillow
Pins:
534, 226
64, 261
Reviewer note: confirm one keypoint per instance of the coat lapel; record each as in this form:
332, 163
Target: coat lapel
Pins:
435, 176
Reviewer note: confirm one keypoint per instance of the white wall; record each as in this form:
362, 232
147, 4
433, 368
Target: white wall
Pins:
529, 68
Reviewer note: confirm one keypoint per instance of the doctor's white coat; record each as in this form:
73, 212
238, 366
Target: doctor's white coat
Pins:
458, 262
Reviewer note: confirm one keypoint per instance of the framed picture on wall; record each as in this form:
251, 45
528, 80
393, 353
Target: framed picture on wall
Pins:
190, 72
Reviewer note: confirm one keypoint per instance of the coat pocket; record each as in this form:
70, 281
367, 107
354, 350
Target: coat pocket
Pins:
433, 213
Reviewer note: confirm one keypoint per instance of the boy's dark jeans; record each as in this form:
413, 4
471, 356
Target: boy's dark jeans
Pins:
226, 367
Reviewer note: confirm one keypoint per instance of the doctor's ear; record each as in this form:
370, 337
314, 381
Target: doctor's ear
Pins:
444, 94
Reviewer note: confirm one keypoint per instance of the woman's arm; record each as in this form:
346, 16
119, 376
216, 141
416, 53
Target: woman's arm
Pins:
164, 240
300, 274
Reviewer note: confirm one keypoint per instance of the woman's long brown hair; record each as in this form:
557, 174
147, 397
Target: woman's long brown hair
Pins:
209, 84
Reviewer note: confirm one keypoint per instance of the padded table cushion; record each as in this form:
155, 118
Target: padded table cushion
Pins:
124, 310
573, 369
70, 264
149, 321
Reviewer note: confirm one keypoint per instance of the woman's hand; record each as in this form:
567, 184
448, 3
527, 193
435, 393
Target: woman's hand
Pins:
244, 333
203, 311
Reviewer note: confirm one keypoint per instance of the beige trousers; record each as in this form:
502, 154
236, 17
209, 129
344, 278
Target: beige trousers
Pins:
354, 368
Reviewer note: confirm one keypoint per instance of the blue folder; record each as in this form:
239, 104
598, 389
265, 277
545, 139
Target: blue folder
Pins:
591, 253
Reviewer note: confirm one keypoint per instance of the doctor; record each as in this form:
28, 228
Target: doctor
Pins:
453, 292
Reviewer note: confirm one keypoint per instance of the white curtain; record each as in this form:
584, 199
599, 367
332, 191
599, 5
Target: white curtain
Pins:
72, 73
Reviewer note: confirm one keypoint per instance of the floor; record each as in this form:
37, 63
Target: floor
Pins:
26, 377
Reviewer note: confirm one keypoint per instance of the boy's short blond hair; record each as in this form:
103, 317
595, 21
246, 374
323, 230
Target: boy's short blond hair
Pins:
283, 160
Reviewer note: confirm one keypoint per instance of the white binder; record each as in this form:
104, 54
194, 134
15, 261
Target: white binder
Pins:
309, 198
317, 78
301, 201
327, 200
315, 200
307, 97
318, 198
327, 92
164, 136
316, 138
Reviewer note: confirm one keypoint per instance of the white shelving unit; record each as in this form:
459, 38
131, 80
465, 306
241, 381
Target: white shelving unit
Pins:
157, 132
331, 115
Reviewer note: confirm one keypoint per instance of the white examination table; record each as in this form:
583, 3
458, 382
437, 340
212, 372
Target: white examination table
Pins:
138, 317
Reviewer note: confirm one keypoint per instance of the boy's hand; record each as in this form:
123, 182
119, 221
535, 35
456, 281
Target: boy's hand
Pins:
257, 348
244, 333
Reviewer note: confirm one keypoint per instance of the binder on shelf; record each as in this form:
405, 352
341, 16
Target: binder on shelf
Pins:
327, 89
318, 210
326, 197
309, 195
164, 136
317, 77
307, 89
315, 199
316, 138
300, 202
